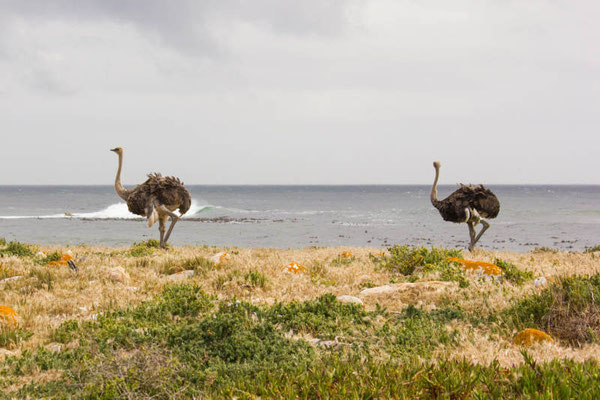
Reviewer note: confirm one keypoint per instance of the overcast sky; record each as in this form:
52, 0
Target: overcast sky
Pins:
300, 92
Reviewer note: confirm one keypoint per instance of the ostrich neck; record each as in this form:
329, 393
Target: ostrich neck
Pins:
121, 191
433, 196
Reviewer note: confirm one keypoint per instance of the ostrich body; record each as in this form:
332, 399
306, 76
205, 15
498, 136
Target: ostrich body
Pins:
470, 204
155, 199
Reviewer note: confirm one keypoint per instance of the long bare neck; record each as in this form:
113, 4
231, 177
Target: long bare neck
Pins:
433, 195
121, 191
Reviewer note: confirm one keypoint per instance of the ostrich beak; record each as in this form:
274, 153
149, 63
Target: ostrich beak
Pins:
115, 149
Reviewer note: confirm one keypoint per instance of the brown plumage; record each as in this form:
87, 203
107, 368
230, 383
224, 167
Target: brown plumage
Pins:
164, 190
469, 204
155, 199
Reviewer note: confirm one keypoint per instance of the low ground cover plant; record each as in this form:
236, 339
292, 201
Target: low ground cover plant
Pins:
185, 343
249, 330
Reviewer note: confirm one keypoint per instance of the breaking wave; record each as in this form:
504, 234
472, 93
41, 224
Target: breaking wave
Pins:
114, 211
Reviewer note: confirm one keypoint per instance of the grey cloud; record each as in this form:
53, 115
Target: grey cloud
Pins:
186, 24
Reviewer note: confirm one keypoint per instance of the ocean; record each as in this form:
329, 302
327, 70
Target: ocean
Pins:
561, 217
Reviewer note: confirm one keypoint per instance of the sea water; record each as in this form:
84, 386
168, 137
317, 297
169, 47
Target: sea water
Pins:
562, 217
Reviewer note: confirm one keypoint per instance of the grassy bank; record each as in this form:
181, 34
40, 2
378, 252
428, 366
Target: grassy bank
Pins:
127, 325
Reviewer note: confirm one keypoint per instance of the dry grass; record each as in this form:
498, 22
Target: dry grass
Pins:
46, 296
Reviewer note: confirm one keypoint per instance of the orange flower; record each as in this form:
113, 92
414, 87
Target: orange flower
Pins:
347, 254
528, 337
486, 267
8, 314
294, 268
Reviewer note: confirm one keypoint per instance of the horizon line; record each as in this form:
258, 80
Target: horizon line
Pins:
310, 184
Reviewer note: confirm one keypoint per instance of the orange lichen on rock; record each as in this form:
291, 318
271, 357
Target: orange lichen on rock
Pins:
347, 254
485, 267
220, 258
64, 260
294, 268
7, 314
527, 337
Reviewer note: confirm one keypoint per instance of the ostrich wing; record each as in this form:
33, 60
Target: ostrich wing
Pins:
479, 198
170, 192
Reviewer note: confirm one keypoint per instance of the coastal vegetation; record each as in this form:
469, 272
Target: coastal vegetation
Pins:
141, 322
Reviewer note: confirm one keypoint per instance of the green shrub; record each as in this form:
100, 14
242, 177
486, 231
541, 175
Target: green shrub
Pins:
11, 337
2, 241
340, 261
150, 243
43, 278
54, 256
7, 272
407, 260
512, 273
544, 249
144, 248
199, 264
567, 309
592, 249
17, 249
255, 279
64, 333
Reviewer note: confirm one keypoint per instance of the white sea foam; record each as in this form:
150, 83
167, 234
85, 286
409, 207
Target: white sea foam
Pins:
114, 211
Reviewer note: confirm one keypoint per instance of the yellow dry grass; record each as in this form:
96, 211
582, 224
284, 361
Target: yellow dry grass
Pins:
46, 296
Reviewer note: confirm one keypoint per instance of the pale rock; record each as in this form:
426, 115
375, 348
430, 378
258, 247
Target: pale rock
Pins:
349, 299
328, 344
415, 293
181, 275
541, 281
118, 274
220, 258
94, 317
430, 286
6, 353
12, 278
54, 347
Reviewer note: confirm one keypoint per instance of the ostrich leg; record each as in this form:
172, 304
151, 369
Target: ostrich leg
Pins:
483, 229
161, 229
174, 219
471, 235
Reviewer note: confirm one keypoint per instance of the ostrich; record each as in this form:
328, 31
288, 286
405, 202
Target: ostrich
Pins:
468, 204
155, 199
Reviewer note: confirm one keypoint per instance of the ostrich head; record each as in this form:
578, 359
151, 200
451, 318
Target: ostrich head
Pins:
436, 164
118, 150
